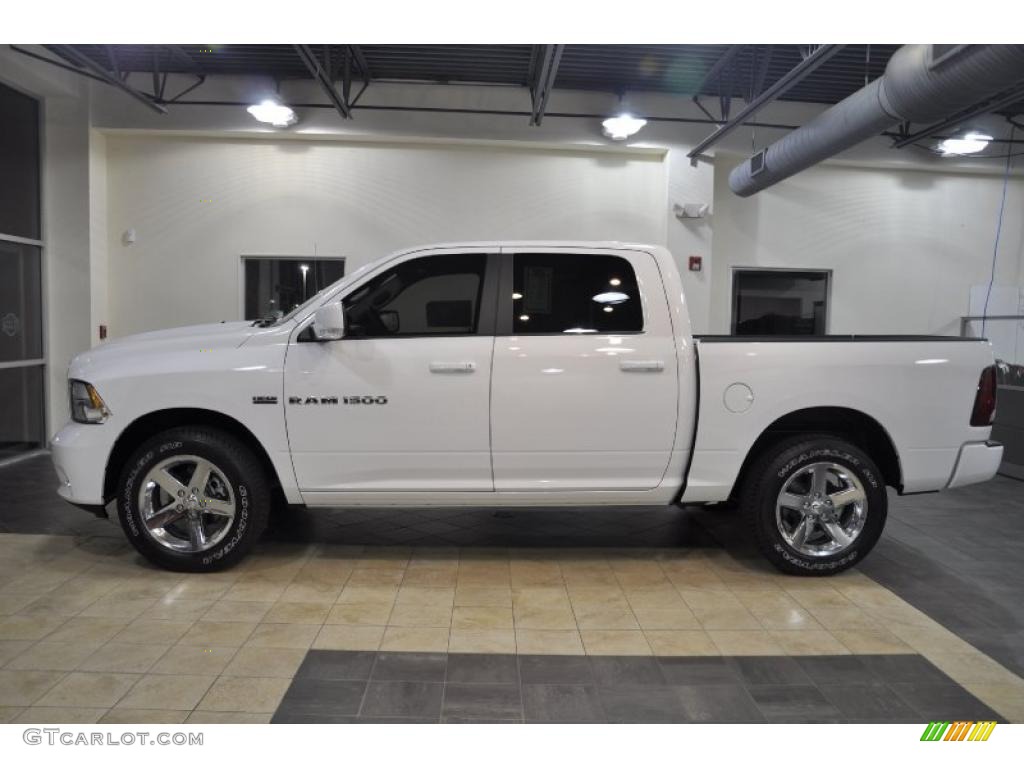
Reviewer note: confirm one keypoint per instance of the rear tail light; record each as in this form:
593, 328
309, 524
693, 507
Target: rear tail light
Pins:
985, 401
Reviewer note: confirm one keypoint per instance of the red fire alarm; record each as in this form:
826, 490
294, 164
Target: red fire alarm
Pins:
695, 263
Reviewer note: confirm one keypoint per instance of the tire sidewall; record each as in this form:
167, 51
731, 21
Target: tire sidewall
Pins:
782, 468
234, 544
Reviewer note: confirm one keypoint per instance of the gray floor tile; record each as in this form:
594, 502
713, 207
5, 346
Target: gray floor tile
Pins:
769, 670
490, 701
648, 704
337, 665
560, 703
875, 702
697, 670
620, 671
410, 667
904, 668
793, 703
718, 704
482, 668
943, 702
570, 670
320, 700
402, 699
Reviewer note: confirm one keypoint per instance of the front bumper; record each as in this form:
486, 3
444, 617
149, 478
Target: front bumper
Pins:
976, 463
79, 453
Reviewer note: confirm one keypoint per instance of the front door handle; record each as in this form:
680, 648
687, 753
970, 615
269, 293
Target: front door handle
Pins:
452, 367
642, 366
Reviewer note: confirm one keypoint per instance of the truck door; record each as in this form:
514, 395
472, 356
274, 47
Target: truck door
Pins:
401, 402
584, 389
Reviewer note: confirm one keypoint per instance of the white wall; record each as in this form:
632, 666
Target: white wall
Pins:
99, 278
904, 246
198, 204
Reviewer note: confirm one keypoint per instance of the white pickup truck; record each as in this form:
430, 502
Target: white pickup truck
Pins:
517, 374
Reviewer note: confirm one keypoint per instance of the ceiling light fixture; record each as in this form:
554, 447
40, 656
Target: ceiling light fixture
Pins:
970, 143
270, 111
622, 127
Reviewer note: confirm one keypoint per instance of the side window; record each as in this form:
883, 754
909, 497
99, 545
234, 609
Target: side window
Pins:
574, 293
433, 295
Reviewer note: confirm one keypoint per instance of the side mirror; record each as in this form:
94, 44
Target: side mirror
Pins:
329, 322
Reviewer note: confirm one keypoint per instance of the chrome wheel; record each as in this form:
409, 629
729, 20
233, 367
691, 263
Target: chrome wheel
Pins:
821, 509
186, 504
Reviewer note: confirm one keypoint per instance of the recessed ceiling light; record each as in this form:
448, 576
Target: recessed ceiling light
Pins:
970, 143
611, 297
270, 111
622, 127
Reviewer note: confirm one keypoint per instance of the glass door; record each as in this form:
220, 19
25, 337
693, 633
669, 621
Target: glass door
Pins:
22, 416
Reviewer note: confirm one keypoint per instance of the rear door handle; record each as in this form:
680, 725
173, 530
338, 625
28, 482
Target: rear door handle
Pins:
642, 366
452, 367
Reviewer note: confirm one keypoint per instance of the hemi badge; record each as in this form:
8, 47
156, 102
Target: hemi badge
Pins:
264, 400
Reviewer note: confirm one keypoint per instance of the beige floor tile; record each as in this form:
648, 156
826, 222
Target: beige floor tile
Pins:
344, 637
680, 618
540, 597
59, 604
482, 641
87, 630
167, 692
199, 587
359, 613
245, 694
442, 597
745, 642
790, 617
611, 597
686, 642
9, 649
147, 631
384, 558
974, 667
430, 577
848, 617
54, 656
375, 577
7, 714
237, 610
29, 626
535, 574
22, 687
145, 589
548, 641
60, 715
174, 609
933, 639
809, 642
1007, 700
816, 597
113, 608
600, 642
312, 591
482, 617
205, 716
195, 660
664, 598
298, 613
544, 618
871, 641
265, 662
123, 657
299, 636
368, 595
218, 633
123, 715
419, 639
484, 596
88, 689
10, 604
256, 590
412, 615
725, 617
696, 578
603, 616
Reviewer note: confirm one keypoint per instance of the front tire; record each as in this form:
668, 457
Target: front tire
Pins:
816, 505
193, 499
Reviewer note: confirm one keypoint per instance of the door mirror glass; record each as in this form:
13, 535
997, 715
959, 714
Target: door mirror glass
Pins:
329, 322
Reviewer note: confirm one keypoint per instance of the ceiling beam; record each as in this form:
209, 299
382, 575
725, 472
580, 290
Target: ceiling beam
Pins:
323, 78
1000, 101
820, 55
716, 69
549, 57
361, 62
78, 58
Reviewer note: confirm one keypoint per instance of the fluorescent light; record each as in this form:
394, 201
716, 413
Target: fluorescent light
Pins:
622, 127
971, 142
269, 111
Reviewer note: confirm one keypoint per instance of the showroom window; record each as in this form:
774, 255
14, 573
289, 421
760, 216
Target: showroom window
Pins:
274, 285
574, 293
780, 302
429, 296
22, 420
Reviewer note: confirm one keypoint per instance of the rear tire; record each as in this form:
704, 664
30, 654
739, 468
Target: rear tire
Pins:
815, 504
193, 499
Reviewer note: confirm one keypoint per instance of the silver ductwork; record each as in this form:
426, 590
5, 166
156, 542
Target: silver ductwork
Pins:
921, 83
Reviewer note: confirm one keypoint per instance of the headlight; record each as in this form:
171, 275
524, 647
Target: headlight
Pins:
87, 407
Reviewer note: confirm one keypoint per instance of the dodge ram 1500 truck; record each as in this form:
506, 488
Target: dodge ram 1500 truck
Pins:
495, 374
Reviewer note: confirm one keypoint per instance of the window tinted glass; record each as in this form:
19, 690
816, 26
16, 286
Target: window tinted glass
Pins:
770, 303
19, 164
275, 287
432, 295
574, 293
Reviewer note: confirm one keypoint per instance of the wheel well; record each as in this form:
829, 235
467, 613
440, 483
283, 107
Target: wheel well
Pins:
153, 423
855, 426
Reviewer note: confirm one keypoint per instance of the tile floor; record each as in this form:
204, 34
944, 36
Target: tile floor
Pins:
90, 632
